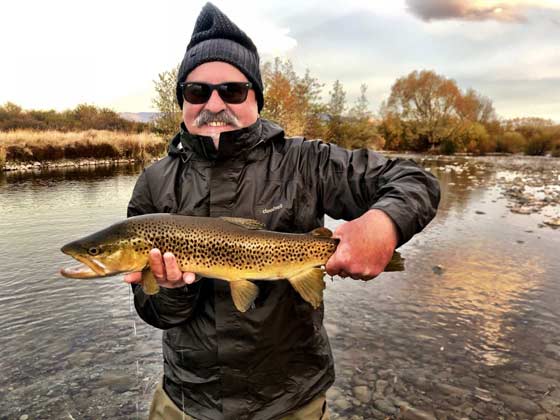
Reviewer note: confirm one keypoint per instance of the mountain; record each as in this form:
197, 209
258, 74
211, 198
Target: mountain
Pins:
144, 117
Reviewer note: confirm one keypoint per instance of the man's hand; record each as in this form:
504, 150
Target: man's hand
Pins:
366, 246
165, 270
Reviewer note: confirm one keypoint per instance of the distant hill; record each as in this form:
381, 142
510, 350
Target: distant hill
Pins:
144, 117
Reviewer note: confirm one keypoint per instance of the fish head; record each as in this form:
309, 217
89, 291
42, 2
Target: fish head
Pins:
105, 253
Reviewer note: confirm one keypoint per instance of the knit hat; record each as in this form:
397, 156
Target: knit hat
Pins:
216, 38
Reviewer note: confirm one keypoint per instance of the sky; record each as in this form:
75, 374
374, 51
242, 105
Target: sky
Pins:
58, 54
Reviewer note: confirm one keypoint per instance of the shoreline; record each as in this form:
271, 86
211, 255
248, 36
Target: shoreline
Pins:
12, 166
15, 166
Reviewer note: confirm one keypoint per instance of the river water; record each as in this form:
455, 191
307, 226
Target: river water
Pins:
471, 329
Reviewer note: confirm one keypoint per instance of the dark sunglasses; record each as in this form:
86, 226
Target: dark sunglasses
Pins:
230, 92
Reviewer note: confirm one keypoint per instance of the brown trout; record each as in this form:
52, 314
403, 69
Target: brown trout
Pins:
232, 249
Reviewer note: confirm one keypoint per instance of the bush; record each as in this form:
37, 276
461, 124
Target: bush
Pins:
538, 145
511, 142
447, 147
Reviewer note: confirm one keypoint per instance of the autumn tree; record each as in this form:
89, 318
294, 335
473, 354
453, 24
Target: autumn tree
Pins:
475, 107
425, 102
290, 100
170, 115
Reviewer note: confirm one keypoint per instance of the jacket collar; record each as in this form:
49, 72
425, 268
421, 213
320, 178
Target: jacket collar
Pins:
233, 144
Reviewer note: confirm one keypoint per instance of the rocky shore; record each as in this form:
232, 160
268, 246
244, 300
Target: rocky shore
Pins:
65, 164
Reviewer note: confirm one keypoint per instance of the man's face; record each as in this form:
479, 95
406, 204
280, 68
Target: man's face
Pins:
242, 115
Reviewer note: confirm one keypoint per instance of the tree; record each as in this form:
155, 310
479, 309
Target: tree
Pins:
292, 101
426, 103
359, 127
165, 102
335, 109
474, 107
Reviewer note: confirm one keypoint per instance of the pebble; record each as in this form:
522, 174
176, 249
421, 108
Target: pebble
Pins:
411, 413
341, 404
517, 403
438, 269
385, 406
362, 393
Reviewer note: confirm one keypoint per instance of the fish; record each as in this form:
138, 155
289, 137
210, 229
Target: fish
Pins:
233, 249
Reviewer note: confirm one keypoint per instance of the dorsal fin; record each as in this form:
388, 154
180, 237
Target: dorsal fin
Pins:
321, 231
245, 223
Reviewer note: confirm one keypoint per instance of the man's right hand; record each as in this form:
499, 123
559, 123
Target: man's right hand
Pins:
165, 270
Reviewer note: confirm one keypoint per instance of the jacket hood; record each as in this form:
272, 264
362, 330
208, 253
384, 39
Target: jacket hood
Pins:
233, 144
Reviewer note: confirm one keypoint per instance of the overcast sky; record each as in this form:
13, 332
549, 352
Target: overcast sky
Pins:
57, 54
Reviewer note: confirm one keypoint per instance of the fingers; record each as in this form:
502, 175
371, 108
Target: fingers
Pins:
156, 265
189, 278
172, 271
166, 270
131, 278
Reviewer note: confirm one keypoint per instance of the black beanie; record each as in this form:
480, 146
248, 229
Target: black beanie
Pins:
216, 38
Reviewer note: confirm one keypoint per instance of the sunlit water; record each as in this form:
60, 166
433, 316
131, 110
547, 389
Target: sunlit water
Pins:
470, 329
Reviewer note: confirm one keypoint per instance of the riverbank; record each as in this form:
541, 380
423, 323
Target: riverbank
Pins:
27, 149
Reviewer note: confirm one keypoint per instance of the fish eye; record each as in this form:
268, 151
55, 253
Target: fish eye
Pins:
93, 250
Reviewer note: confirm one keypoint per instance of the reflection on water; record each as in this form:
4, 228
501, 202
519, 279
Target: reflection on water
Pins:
469, 330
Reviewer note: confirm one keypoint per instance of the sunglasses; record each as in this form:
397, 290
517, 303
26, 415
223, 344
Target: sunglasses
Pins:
230, 92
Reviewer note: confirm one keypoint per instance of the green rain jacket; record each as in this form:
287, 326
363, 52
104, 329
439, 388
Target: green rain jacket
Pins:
220, 363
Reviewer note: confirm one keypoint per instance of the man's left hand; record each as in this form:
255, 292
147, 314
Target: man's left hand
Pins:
366, 246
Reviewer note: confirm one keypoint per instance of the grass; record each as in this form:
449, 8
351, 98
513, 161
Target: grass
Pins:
38, 146
2, 157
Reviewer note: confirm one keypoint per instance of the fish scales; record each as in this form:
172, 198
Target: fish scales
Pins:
199, 246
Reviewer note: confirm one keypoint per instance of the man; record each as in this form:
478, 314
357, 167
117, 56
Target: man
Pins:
273, 361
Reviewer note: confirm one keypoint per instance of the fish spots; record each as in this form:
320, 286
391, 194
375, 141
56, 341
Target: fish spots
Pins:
215, 245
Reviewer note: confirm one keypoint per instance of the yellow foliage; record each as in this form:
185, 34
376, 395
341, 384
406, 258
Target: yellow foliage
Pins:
27, 145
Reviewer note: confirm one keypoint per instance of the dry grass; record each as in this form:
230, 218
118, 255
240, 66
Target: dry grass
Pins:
29, 145
2, 157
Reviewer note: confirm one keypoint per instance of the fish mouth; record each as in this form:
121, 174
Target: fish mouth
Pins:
89, 268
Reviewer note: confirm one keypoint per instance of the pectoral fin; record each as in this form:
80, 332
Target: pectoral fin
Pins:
310, 285
243, 293
149, 283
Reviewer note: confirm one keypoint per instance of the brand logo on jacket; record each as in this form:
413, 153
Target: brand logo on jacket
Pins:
270, 210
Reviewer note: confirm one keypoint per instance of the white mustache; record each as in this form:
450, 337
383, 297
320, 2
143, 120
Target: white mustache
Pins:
223, 116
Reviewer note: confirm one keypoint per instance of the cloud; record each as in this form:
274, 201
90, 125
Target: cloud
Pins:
476, 10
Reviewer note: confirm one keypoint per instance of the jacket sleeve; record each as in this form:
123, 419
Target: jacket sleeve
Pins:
349, 183
169, 307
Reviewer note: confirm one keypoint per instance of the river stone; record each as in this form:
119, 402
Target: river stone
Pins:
550, 405
411, 413
509, 389
117, 383
385, 406
333, 394
380, 386
517, 403
362, 393
341, 404
552, 350
450, 390
536, 382
24, 417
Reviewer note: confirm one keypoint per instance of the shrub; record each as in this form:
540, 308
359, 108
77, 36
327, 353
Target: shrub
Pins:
511, 142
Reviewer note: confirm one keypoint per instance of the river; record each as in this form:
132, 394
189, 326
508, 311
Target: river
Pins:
471, 329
